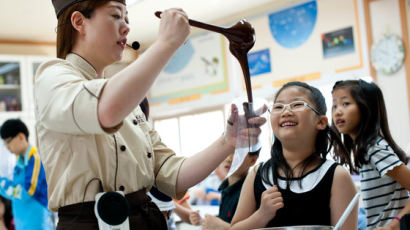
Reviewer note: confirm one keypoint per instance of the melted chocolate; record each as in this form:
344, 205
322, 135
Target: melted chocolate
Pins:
241, 38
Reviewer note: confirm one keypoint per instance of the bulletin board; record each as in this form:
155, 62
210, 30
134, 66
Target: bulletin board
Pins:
198, 67
307, 40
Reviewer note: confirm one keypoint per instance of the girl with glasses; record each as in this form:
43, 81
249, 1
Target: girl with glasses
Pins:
297, 185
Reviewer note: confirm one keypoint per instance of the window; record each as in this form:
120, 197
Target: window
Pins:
200, 130
169, 132
189, 134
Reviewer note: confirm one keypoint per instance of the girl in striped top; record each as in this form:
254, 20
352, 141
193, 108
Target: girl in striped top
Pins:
359, 114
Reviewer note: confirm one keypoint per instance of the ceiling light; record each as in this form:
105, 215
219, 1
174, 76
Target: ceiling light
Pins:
132, 2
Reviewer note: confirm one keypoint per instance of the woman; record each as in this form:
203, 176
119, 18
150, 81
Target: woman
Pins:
93, 135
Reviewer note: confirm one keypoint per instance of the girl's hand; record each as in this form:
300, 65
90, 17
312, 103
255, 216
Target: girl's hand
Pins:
271, 202
195, 218
393, 225
238, 134
174, 27
214, 223
384, 228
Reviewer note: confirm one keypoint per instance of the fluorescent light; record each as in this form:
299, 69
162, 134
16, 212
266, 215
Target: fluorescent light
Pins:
132, 2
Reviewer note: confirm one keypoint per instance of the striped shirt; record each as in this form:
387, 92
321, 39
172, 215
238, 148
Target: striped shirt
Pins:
382, 196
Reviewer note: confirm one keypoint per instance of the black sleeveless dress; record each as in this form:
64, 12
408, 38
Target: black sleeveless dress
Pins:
309, 205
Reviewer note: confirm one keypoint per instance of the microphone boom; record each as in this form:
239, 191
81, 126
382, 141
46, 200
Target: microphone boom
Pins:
135, 45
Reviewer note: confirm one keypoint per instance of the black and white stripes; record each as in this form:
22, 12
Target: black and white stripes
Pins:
382, 197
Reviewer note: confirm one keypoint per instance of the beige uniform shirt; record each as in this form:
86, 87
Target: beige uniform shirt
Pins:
75, 148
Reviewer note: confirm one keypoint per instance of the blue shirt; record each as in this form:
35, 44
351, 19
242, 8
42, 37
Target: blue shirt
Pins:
28, 193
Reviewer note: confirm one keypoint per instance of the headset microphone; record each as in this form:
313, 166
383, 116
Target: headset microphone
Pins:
135, 45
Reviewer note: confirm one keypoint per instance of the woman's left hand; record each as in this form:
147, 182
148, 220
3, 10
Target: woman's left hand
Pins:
237, 131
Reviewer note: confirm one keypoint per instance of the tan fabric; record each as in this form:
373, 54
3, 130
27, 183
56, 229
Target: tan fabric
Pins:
61, 5
75, 149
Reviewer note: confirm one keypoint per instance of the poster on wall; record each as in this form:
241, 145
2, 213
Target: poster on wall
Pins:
314, 51
293, 26
338, 42
259, 62
198, 67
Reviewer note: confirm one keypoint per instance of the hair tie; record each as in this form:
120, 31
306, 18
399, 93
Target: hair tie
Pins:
396, 217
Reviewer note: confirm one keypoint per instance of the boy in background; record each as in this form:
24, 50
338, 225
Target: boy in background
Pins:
28, 189
231, 189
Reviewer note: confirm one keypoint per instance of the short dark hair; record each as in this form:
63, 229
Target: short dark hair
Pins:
12, 127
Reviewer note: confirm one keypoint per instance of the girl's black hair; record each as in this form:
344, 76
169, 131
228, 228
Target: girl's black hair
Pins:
145, 107
324, 140
373, 121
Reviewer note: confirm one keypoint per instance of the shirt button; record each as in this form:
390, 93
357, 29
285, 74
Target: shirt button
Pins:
123, 148
149, 155
135, 122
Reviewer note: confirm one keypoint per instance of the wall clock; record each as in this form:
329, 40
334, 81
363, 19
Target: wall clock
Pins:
387, 55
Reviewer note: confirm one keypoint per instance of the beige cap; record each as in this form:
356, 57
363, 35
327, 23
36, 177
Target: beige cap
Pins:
61, 5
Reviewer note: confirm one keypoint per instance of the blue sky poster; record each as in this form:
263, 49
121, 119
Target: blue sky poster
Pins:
292, 27
259, 62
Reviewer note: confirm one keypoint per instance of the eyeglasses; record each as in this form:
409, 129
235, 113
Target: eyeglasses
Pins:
294, 107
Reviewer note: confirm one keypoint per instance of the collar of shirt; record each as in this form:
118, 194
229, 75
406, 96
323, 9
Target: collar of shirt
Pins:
86, 69
230, 189
23, 161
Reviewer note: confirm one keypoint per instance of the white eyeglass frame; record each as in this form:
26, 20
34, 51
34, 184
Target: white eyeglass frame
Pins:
289, 106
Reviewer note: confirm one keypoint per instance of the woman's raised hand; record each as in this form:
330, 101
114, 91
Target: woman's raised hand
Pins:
237, 132
174, 28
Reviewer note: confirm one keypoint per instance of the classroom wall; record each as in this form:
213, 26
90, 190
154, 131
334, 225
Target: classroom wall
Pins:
307, 62
27, 48
48, 49
384, 17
